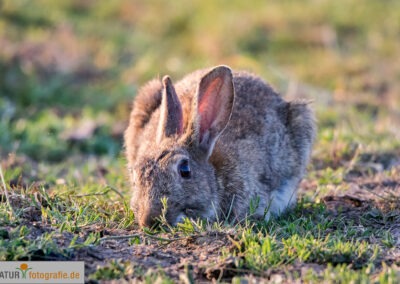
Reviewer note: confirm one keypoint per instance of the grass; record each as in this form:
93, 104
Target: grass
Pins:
69, 70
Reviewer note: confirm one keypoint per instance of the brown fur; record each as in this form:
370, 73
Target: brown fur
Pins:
262, 147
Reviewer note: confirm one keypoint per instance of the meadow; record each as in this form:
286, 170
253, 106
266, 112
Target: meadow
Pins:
69, 71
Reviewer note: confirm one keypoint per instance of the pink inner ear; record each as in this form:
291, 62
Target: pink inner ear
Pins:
210, 105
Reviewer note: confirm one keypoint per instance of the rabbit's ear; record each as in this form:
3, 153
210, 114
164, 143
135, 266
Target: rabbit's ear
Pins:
215, 96
171, 118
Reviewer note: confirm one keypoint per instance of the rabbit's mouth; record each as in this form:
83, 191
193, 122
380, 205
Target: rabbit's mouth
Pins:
180, 219
193, 213
188, 212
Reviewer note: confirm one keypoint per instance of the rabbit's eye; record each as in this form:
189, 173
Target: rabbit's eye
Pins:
184, 169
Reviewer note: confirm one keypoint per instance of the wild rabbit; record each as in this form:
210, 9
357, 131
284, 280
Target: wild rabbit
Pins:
212, 143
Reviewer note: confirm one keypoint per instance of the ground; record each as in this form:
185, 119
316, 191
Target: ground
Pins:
68, 73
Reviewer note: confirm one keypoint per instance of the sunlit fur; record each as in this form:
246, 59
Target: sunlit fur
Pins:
261, 154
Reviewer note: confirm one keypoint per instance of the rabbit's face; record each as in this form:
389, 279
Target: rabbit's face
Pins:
188, 184
175, 165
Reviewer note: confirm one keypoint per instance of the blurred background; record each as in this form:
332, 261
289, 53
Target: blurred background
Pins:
69, 70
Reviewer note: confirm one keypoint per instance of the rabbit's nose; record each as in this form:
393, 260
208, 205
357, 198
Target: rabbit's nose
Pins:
148, 218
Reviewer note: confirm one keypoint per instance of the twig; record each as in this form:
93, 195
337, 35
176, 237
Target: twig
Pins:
137, 236
107, 190
119, 237
91, 194
116, 191
165, 240
6, 192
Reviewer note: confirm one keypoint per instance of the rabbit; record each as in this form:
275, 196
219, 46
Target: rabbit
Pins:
212, 144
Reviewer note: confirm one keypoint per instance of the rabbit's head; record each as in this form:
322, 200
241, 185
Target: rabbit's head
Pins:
175, 164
